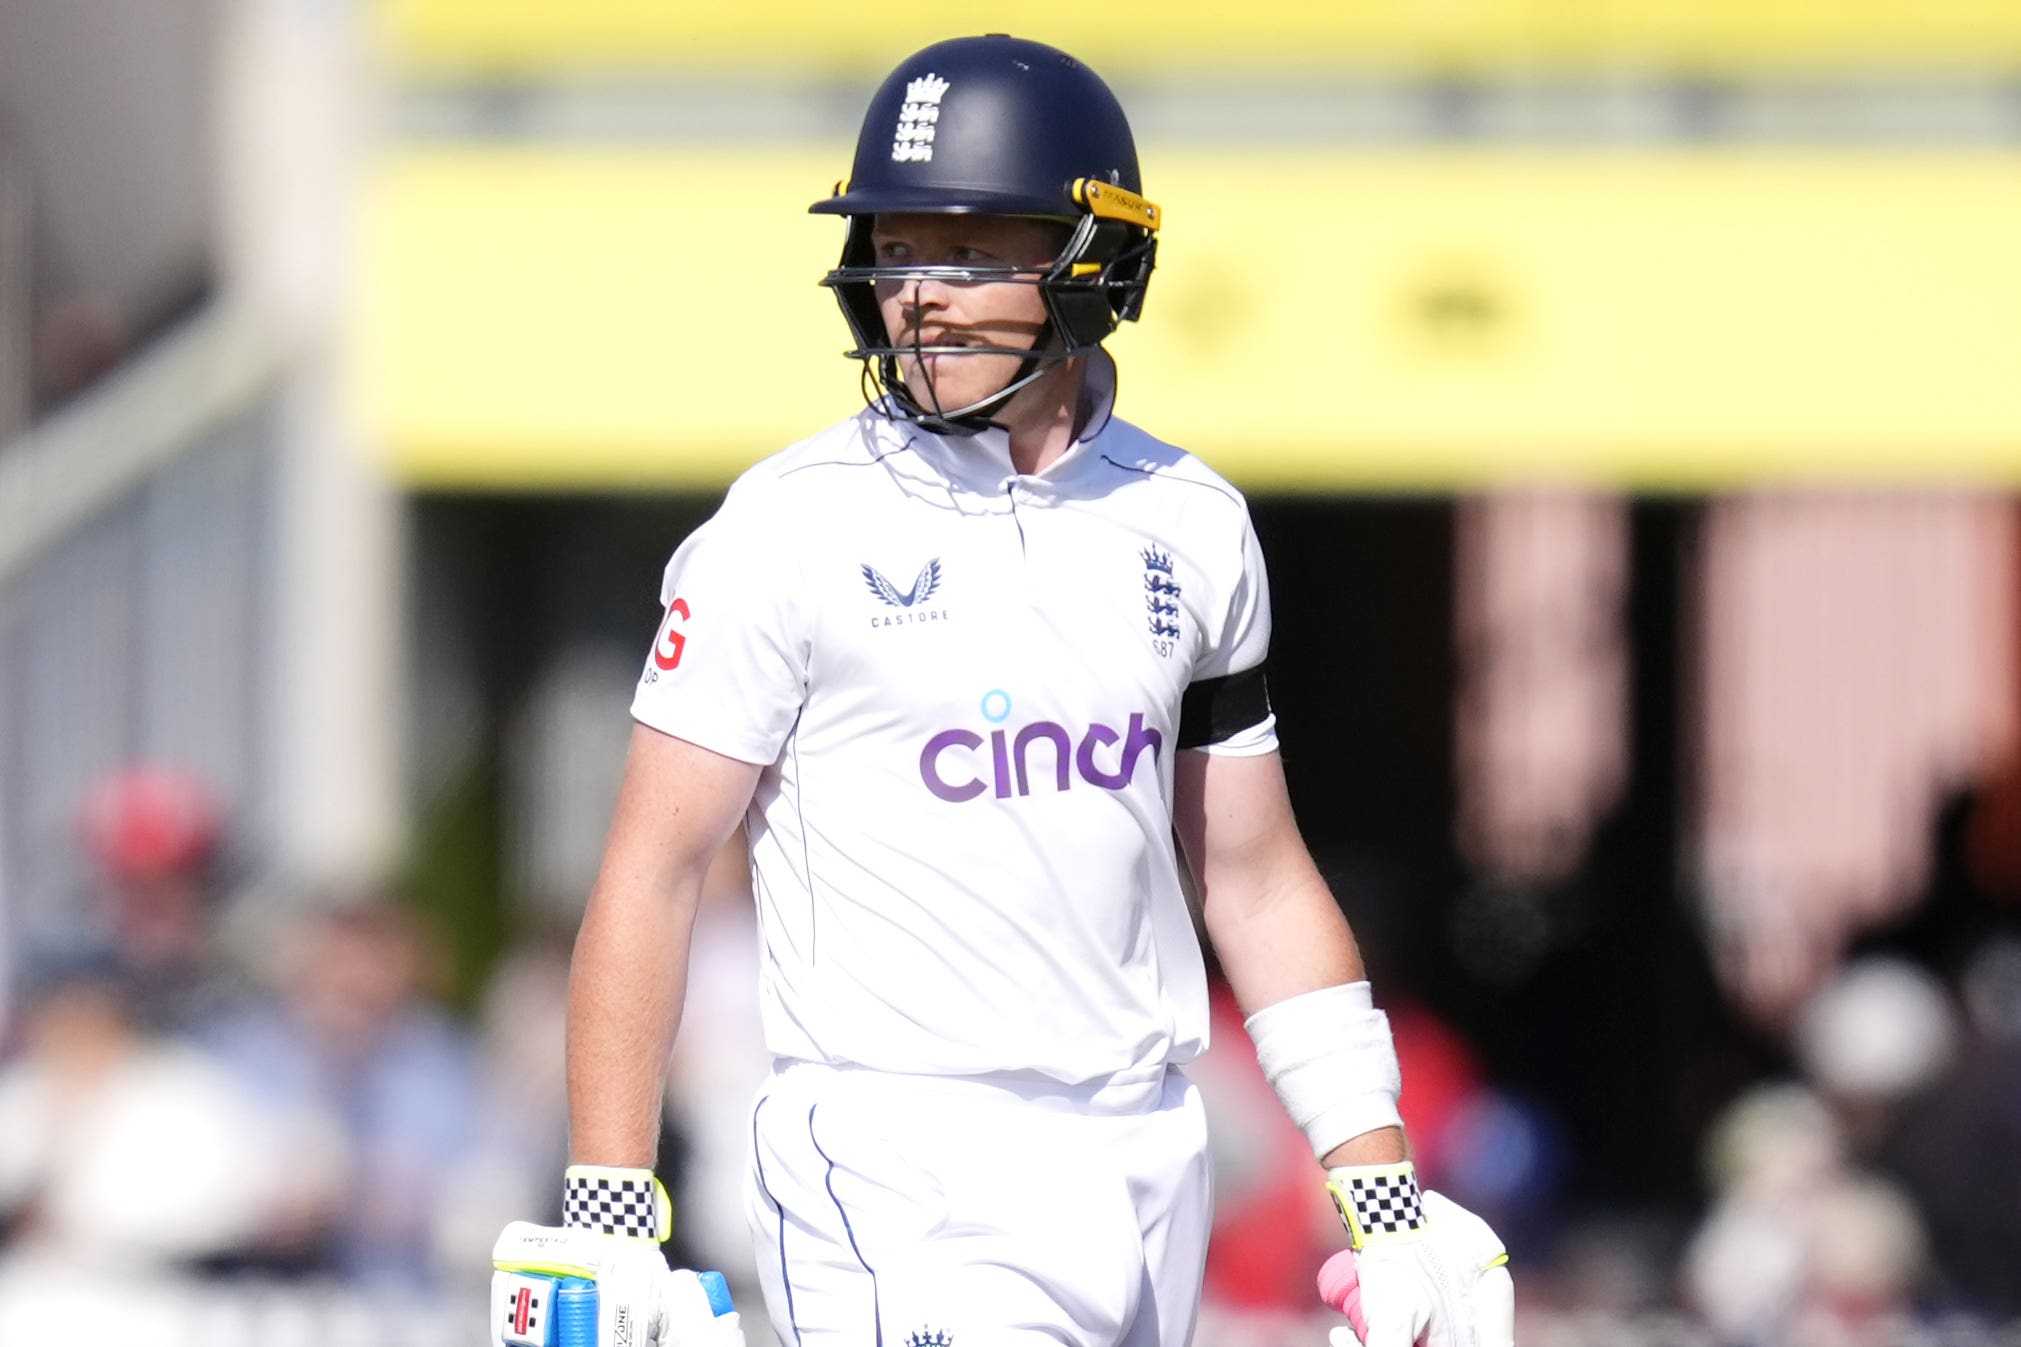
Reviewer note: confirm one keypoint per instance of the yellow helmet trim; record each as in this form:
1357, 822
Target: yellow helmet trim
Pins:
1117, 203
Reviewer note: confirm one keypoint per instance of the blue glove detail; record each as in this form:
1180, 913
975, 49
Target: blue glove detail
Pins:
719, 1293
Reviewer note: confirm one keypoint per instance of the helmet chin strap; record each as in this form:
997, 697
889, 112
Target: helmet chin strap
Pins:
974, 418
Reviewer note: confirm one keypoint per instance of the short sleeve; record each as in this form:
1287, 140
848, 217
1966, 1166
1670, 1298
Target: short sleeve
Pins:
1227, 705
1244, 636
728, 666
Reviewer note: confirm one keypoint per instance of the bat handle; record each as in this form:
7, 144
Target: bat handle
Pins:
575, 1312
1340, 1287
719, 1292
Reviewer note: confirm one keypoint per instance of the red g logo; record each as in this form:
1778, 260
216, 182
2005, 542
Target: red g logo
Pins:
667, 651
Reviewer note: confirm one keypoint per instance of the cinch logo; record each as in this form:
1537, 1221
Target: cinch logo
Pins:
952, 766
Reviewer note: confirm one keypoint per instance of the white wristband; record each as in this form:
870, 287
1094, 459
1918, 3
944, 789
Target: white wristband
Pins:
1329, 1056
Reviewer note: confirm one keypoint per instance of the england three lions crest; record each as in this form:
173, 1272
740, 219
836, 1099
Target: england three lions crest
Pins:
918, 120
1161, 599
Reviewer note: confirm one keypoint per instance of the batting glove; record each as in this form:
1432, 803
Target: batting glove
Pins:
603, 1268
1422, 1270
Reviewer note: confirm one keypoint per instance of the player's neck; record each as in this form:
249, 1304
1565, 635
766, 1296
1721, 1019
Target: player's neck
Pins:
1044, 418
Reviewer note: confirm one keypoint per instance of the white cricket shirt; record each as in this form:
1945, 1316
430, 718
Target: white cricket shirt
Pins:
964, 687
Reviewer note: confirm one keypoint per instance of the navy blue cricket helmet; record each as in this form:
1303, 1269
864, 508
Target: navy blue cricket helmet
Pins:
996, 125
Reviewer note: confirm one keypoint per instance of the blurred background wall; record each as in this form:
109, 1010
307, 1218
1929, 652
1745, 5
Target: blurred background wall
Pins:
1629, 402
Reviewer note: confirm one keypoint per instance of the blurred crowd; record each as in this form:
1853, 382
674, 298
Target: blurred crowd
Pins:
1870, 1198
201, 1079
257, 1087
203, 1082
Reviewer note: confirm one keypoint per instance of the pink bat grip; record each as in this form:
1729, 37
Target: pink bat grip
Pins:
1341, 1288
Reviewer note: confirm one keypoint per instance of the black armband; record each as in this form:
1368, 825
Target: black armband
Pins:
1215, 709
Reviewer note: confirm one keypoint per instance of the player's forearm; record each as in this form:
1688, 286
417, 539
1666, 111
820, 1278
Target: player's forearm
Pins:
624, 1003
677, 804
1287, 940
1280, 935
1383, 1146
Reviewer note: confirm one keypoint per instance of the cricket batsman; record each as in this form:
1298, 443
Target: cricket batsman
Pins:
978, 669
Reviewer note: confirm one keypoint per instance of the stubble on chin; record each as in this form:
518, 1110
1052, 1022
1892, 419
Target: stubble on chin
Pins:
954, 381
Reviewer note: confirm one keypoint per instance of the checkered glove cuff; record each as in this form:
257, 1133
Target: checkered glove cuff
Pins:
624, 1202
1378, 1202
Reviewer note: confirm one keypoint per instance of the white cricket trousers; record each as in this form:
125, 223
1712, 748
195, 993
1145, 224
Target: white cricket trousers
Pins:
921, 1211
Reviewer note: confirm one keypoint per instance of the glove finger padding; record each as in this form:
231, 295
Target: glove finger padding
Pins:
1441, 1281
1495, 1308
640, 1301
631, 1290
522, 1309
1408, 1295
689, 1316
1471, 1246
529, 1259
